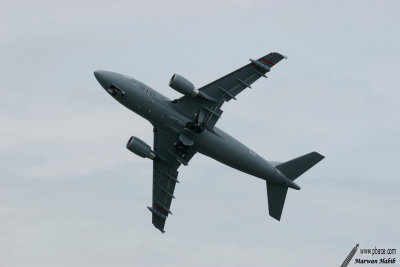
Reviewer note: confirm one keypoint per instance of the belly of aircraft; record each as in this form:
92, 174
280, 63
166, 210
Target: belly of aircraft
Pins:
227, 150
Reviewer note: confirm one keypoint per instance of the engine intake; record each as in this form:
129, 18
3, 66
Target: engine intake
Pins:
140, 148
183, 86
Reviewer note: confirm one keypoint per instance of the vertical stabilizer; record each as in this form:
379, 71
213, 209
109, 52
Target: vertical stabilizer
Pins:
276, 199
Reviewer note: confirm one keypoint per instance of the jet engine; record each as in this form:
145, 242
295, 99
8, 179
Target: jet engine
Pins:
140, 148
183, 86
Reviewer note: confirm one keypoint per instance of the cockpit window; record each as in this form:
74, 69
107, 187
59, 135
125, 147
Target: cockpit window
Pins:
115, 91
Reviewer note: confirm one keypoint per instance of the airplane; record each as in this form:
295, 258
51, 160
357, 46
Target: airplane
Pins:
185, 126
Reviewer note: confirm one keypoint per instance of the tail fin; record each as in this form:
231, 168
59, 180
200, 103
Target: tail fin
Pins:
276, 199
291, 169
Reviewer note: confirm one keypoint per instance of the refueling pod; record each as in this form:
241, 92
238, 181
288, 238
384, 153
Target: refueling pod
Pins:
183, 86
140, 148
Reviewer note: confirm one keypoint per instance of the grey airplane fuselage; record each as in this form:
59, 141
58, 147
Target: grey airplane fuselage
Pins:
161, 113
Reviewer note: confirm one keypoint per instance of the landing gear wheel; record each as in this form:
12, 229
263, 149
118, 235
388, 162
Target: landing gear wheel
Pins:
181, 148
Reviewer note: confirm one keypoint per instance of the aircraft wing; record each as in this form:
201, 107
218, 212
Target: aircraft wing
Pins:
165, 175
226, 88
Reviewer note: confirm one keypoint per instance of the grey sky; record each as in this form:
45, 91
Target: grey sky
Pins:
72, 195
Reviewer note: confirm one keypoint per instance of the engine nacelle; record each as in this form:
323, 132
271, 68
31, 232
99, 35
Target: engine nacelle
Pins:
183, 86
140, 148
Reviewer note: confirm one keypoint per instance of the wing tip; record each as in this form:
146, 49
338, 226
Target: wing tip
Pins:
272, 58
283, 56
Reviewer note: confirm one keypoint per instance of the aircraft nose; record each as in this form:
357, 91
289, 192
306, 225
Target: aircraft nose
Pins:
97, 74
100, 77
110, 82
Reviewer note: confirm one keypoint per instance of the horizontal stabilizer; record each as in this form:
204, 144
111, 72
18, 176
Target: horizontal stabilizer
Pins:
276, 199
296, 167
